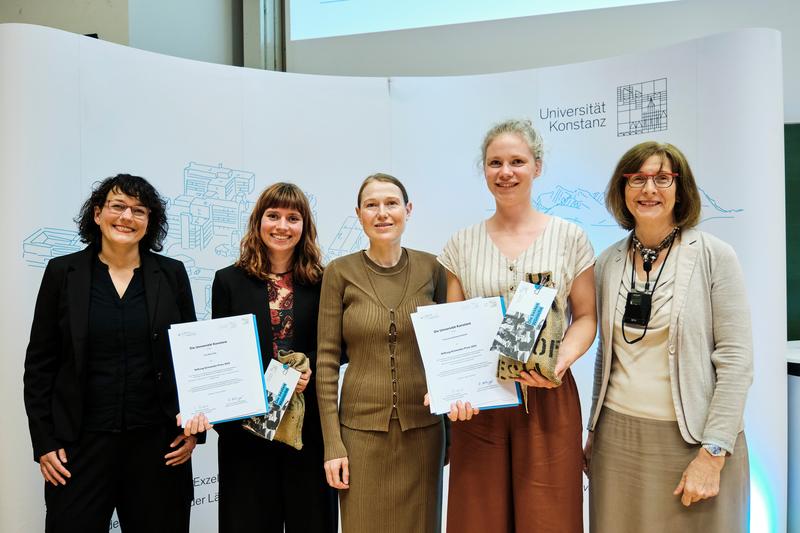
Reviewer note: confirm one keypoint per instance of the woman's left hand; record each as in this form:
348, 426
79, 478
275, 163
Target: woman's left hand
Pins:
700, 480
533, 379
302, 383
184, 445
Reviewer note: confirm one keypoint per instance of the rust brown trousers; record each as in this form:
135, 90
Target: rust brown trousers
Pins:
518, 472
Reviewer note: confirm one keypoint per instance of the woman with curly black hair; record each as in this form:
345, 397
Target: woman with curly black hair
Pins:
99, 385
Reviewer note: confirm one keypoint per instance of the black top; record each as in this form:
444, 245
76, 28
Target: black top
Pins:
234, 292
58, 352
120, 382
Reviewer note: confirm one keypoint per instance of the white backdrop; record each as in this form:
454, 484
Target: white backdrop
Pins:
74, 110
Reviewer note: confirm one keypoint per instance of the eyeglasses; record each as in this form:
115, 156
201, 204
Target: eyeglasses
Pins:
117, 208
662, 180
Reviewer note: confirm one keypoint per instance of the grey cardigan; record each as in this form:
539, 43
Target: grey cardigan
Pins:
710, 341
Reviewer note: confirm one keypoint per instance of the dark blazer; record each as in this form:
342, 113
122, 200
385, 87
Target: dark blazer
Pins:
55, 361
234, 292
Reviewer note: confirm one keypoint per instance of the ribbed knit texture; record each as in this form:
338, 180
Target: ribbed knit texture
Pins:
354, 320
395, 480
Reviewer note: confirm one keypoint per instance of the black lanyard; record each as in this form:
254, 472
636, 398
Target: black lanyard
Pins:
639, 303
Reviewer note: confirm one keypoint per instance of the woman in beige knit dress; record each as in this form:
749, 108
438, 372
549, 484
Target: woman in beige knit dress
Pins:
384, 450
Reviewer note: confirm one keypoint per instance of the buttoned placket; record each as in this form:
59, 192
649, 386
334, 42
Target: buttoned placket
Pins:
392, 360
512, 267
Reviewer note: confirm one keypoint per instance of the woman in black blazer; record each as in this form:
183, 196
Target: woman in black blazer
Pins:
267, 486
99, 385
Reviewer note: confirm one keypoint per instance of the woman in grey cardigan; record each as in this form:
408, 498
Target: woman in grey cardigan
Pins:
666, 450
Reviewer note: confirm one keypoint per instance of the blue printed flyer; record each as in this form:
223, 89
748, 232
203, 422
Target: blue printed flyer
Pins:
523, 321
280, 381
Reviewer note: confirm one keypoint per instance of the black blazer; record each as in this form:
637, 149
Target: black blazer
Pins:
234, 292
55, 361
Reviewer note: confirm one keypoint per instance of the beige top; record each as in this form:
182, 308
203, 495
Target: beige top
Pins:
562, 249
357, 304
639, 381
710, 342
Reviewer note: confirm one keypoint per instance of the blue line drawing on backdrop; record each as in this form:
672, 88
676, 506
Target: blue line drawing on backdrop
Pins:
46, 243
212, 211
642, 107
580, 206
712, 209
587, 208
312, 203
211, 215
350, 238
213, 207
200, 280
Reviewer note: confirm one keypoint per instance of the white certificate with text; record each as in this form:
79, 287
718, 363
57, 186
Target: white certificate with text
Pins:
454, 341
218, 368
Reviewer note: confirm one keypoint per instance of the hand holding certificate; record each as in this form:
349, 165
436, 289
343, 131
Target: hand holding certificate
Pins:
218, 368
454, 341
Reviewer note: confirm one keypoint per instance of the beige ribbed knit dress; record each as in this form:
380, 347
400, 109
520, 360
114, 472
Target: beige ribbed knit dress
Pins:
395, 447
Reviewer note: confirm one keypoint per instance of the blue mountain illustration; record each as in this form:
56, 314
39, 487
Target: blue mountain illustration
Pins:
579, 205
712, 209
587, 208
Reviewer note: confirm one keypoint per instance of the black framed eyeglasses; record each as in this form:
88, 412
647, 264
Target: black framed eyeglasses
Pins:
662, 180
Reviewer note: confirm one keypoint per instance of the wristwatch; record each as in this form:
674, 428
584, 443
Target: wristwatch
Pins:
714, 450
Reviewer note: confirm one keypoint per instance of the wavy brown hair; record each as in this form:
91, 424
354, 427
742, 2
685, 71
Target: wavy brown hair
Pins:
253, 253
686, 212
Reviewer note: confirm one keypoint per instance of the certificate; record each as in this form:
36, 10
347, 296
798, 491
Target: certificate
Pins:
218, 368
454, 341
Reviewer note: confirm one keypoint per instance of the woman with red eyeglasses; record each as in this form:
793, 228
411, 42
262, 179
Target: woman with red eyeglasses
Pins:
666, 450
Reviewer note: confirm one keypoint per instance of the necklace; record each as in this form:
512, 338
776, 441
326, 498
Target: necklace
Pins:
649, 255
401, 266
639, 303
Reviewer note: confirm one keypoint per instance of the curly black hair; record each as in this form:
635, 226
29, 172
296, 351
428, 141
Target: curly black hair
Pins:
135, 187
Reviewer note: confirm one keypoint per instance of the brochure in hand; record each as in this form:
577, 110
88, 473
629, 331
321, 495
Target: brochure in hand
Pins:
280, 380
518, 332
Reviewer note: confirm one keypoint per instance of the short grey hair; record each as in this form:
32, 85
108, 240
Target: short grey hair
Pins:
522, 127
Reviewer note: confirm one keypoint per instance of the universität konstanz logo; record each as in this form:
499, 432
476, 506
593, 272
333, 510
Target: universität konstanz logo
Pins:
642, 107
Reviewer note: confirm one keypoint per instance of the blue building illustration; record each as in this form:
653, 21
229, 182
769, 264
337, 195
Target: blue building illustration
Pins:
214, 206
350, 238
46, 243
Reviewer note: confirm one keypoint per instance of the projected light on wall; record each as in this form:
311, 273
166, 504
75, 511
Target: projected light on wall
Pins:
762, 507
312, 19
